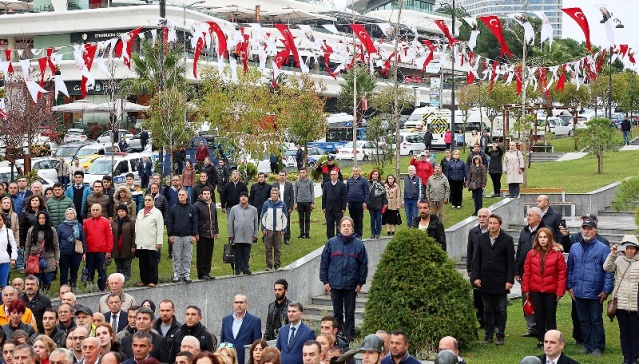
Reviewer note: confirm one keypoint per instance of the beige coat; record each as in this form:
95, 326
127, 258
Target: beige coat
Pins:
393, 196
513, 161
626, 289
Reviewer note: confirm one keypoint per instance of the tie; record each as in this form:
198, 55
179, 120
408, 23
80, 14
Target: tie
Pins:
550, 362
292, 337
114, 322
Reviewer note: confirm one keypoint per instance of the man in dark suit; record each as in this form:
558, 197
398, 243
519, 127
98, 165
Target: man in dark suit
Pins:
142, 343
553, 346
249, 330
494, 274
144, 322
116, 317
473, 241
145, 170
334, 200
292, 337
551, 218
287, 196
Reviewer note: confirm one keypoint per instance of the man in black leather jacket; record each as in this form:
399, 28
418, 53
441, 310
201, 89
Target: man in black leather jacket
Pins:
277, 310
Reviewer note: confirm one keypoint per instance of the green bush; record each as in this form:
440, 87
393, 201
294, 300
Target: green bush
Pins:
416, 288
248, 171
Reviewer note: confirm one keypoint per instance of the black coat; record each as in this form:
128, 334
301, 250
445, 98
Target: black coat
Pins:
435, 229
197, 191
38, 304
495, 165
208, 341
230, 195
334, 198
494, 265
259, 194
169, 338
159, 351
524, 245
552, 220
563, 359
287, 196
206, 219
473, 241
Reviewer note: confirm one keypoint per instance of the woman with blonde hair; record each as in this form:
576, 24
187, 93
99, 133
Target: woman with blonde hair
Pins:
326, 341
43, 346
227, 350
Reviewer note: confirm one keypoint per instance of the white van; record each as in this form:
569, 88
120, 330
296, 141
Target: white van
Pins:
121, 166
418, 119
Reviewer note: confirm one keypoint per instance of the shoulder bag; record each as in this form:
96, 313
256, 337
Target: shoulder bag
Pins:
611, 310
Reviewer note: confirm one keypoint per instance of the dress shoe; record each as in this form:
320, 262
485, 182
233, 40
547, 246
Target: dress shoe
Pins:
596, 352
300, 236
248, 272
141, 284
499, 341
529, 334
207, 277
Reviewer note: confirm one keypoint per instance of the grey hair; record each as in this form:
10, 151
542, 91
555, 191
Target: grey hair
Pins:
68, 354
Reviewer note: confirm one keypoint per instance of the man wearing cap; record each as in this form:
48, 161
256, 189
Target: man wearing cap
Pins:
589, 286
242, 230
622, 262
325, 168
423, 169
84, 318
567, 240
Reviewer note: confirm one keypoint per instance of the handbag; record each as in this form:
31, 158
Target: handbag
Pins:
77, 247
529, 309
472, 185
229, 254
611, 310
34, 262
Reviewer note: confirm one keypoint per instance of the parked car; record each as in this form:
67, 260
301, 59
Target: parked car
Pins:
365, 150
410, 144
314, 154
106, 136
136, 145
97, 148
119, 165
45, 167
75, 135
559, 127
86, 161
5, 176
68, 151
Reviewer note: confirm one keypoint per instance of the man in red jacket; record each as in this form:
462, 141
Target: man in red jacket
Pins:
424, 169
201, 153
99, 236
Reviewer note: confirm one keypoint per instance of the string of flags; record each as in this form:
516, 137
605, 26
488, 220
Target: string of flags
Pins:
232, 43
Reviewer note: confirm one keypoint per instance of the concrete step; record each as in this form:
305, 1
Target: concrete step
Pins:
324, 310
313, 320
325, 300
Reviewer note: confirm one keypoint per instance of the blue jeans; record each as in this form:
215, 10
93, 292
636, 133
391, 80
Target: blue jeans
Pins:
4, 274
376, 222
95, 261
478, 199
45, 278
69, 266
411, 211
344, 310
591, 322
626, 137
20, 260
513, 189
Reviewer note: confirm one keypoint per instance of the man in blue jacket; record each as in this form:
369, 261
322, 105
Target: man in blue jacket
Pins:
343, 271
357, 192
182, 228
78, 193
589, 286
241, 328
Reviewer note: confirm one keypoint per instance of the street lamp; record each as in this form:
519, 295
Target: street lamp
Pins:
618, 26
446, 8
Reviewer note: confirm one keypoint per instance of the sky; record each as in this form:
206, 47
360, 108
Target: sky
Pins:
627, 11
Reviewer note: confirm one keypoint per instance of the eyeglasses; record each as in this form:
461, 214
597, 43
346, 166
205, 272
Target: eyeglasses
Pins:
226, 345
78, 337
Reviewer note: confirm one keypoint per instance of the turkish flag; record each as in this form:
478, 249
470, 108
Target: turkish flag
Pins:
363, 36
444, 28
518, 79
430, 56
578, 16
123, 48
289, 42
89, 54
7, 53
494, 24
562, 79
221, 39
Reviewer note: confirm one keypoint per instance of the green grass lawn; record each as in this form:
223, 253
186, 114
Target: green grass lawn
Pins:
517, 347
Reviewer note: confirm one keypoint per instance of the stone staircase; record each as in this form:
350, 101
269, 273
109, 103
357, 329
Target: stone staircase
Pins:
321, 306
537, 157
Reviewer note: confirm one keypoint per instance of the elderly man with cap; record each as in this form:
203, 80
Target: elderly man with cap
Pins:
620, 262
84, 318
372, 350
589, 286
326, 167
567, 240
423, 169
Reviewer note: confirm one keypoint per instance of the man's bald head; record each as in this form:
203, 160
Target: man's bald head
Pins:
69, 298
448, 343
8, 295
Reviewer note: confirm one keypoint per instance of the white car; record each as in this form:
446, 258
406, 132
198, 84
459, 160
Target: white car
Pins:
365, 151
75, 135
46, 167
410, 144
5, 176
106, 136
559, 127
314, 154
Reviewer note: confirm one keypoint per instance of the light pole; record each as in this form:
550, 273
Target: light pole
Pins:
444, 8
618, 26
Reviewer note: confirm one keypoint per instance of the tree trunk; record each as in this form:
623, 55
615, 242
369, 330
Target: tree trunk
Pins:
599, 161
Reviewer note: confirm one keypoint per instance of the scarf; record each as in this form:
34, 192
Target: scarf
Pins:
147, 210
121, 222
75, 226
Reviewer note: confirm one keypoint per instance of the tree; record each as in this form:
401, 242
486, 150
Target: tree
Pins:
416, 287
598, 137
304, 119
630, 100
365, 83
573, 99
160, 67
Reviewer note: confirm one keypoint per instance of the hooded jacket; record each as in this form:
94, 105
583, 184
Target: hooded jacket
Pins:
626, 288
128, 238
128, 201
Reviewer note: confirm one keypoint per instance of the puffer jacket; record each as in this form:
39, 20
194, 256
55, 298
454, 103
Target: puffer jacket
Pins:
376, 195
57, 208
548, 276
274, 216
456, 170
626, 288
100, 199
344, 262
67, 237
50, 255
131, 206
128, 238
98, 235
586, 276
393, 196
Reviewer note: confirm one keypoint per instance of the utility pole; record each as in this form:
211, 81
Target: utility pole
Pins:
396, 89
524, 76
452, 82
354, 95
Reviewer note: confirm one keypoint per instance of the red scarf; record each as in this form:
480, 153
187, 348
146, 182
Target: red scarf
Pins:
147, 210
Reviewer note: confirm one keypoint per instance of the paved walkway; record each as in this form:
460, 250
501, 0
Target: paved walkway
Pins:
571, 156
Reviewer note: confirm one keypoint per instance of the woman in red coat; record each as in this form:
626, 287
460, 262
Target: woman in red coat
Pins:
544, 281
